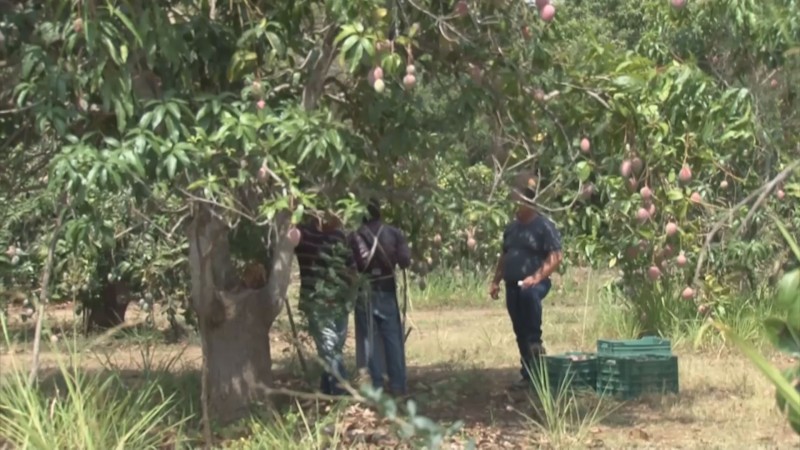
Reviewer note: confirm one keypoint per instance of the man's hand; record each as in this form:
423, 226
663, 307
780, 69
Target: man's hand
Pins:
494, 291
530, 281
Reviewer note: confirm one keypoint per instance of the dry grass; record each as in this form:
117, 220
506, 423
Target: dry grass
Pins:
460, 361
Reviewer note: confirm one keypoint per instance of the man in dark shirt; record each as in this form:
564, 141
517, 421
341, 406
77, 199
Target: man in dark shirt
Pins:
325, 260
531, 253
378, 248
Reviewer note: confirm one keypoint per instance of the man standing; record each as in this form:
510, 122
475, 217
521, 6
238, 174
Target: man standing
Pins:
325, 260
531, 253
378, 248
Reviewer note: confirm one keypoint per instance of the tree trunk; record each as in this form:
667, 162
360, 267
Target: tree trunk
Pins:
234, 321
110, 311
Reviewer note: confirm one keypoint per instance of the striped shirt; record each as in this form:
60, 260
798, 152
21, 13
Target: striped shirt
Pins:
320, 251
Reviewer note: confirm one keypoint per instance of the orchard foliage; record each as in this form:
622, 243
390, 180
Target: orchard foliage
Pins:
133, 119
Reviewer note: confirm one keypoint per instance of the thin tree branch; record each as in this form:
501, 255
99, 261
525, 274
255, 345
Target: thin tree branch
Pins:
43, 294
761, 193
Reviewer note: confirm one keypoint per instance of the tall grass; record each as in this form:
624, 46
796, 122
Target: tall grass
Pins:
452, 287
74, 409
563, 417
294, 430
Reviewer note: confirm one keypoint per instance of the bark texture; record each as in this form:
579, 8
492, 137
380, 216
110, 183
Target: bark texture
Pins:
235, 321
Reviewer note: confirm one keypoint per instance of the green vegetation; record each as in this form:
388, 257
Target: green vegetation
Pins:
159, 153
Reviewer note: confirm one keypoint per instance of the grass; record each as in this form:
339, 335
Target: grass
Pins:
139, 392
564, 417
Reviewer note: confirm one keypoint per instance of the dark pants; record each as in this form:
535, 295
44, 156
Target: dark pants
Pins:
378, 320
525, 309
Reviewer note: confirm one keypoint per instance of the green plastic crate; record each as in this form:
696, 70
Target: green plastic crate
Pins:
563, 371
631, 376
649, 345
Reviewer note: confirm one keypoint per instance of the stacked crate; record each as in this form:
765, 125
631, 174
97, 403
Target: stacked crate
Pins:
630, 368
623, 368
576, 370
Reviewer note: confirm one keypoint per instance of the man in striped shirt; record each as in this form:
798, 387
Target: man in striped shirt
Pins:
326, 268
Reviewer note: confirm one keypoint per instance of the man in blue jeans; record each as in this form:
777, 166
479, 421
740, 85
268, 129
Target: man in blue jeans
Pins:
531, 253
378, 248
325, 262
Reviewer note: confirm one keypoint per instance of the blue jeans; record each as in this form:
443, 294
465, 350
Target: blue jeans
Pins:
328, 328
525, 309
378, 319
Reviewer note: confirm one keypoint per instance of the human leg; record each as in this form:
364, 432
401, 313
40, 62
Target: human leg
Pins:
530, 326
361, 335
391, 333
513, 305
370, 341
328, 329
333, 334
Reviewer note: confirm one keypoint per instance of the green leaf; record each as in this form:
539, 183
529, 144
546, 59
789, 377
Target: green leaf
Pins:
112, 50
128, 24
368, 47
788, 291
675, 195
788, 237
158, 117
359, 54
347, 30
782, 336
626, 81
297, 215
171, 164
174, 110
144, 121
348, 44
275, 42
584, 170
122, 119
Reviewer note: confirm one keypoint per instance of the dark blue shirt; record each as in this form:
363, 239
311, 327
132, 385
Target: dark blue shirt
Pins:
391, 250
526, 246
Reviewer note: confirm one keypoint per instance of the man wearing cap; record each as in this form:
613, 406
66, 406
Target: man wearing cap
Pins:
531, 253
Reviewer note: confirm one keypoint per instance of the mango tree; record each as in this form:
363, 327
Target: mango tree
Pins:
253, 114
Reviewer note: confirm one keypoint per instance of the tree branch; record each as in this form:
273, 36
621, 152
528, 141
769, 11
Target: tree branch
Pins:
43, 294
761, 193
318, 72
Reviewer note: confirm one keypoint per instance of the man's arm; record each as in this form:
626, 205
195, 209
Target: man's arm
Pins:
359, 250
498, 270
403, 252
501, 262
552, 243
550, 265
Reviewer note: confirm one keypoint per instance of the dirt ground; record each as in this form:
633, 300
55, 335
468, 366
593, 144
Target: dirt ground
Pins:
461, 361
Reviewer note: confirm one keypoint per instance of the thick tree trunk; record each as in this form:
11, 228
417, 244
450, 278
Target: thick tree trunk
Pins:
234, 321
237, 354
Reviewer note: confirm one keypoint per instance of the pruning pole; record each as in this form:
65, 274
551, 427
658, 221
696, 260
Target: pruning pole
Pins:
296, 338
405, 306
